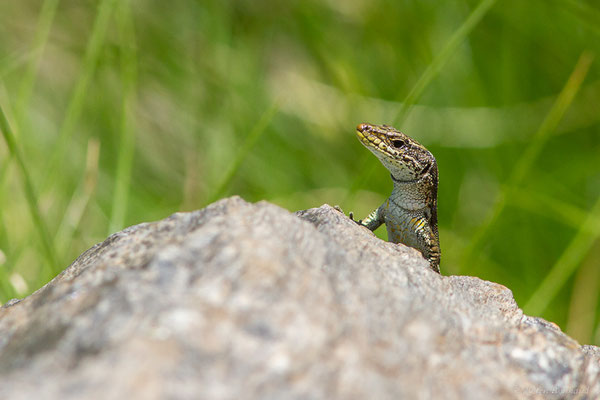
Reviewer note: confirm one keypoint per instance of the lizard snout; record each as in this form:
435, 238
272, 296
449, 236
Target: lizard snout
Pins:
362, 127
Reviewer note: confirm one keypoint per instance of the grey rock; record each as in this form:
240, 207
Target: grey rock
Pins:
250, 301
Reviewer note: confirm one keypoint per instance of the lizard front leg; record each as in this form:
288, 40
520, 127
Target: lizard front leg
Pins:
373, 220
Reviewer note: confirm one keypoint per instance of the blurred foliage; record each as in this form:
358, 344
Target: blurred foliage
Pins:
126, 111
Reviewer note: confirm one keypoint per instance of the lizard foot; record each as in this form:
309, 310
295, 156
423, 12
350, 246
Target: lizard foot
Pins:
350, 214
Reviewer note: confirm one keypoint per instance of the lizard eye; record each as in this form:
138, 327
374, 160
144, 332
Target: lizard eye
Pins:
398, 143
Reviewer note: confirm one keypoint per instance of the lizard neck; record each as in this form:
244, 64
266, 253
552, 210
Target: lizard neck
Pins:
410, 195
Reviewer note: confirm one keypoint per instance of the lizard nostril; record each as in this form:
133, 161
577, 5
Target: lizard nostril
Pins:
362, 127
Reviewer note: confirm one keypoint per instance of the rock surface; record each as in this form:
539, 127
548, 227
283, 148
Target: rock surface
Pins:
250, 301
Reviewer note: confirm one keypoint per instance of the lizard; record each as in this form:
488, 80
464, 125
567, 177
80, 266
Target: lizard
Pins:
410, 213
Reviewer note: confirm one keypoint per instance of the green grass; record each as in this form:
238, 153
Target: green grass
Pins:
236, 163
116, 113
80, 91
529, 155
571, 258
434, 68
126, 147
48, 252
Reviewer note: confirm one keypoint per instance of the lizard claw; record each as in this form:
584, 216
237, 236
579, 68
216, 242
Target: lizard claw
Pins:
351, 216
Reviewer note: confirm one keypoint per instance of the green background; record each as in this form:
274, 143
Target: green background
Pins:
120, 112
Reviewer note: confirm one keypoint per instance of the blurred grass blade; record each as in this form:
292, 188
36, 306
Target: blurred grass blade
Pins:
257, 131
527, 159
77, 99
79, 201
46, 17
432, 70
443, 56
30, 195
564, 100
566, 264
549, 207
584, 298
13, 62
6, 289
584, 12
127, 131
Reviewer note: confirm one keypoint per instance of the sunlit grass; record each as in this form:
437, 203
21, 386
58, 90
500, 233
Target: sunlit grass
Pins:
50, 261
255, 134
44, 23
126, 147
80, 91
79, 202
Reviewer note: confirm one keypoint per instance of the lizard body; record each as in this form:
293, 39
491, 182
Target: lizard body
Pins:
410, 213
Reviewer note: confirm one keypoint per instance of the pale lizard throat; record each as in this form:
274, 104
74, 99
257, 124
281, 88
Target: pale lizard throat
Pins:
410, 213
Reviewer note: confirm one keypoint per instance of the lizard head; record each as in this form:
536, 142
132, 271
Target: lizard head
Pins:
404, 157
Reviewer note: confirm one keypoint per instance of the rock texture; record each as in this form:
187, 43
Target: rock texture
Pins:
249, 301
